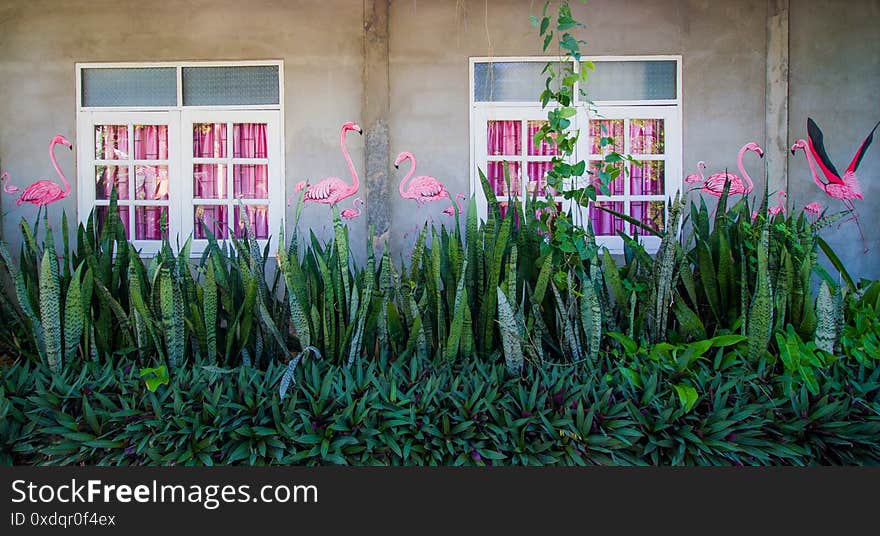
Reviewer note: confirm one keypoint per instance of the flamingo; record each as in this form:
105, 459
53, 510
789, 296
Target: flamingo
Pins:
698, 176
845, 188
44, 192
354, 212
331, 190
423, 188
8, 188
714, 185
779, 207
450, 210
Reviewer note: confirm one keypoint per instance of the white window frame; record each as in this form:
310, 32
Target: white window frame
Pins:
181, 221
479, 112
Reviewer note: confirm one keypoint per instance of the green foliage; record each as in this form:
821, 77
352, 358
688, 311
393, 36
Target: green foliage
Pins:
696, 404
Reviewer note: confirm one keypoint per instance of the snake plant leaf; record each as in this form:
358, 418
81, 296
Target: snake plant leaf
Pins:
73, 315
826, 327
50, 311
510, 337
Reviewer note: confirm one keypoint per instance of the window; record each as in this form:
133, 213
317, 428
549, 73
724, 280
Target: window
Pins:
186, 144
636, 101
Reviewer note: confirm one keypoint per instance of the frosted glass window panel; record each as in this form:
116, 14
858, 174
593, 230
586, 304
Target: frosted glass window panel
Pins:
148, 86
511, 81
210, 86
632, 80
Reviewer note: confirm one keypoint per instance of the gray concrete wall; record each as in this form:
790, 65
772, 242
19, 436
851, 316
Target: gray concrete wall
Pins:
834, 62
723, 45
835, 79
321, 44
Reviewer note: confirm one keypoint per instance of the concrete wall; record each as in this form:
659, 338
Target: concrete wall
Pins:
723, 45
835, 79
40, 41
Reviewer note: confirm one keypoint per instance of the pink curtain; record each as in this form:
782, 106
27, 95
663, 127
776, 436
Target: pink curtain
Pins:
504, 138
646, 136
249, 180
649, 212
112, 145
647, 179
606, 128
258, 217
604, 224
150, 143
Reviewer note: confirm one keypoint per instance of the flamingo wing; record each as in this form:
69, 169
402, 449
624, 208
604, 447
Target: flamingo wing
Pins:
41, 192
857, 159
817, 147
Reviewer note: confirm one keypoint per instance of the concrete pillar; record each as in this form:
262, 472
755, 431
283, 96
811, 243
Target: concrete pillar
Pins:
376, 110
776, 97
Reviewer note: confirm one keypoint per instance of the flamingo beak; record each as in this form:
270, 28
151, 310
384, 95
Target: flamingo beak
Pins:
396, 166
361, 131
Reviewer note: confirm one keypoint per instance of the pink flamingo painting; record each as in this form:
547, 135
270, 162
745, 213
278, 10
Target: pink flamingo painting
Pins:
354, 212
846, 187
714, 185
423, 188
450, 210
697, 177
779, 207
44, 192
8, 187
331, 190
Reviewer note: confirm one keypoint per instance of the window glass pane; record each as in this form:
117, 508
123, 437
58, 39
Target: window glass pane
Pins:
148, 86
151, 182
538, 178
605, 224
544, 148
209, 140
648, 178
250, 181
249, 140
106, 177
101, 217
647, 136
495, 175
147, 222
111, 142
615, 186
649, 212
207, 86
511, 81
606, 128
258, 217
504, 138
209, 181
214, 217
151, 142
632, 80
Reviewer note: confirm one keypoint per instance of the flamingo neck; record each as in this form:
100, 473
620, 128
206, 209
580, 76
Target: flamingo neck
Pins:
412, 169
742, 170
355, 183
812, 165
57, 167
